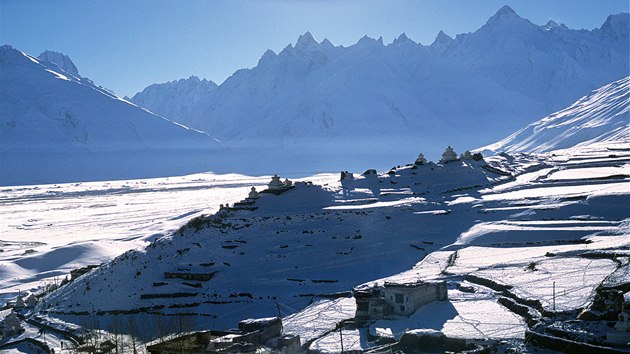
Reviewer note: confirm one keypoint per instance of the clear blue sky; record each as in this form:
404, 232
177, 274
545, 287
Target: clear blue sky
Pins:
127, 45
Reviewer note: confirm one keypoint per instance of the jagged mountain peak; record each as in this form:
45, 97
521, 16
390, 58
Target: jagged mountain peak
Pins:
268, 56
506, 11
325, 43
367, 41
551, 24
402, 39
505, 17
511, 69
61, 60
442, 38
617, 26
9, 55
47, 112
306, 40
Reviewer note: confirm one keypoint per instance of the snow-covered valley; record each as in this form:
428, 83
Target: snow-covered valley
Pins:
524, 222
124, 229
48, 230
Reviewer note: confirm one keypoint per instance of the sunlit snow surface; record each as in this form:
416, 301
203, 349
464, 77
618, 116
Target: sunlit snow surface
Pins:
429, 222
48, 230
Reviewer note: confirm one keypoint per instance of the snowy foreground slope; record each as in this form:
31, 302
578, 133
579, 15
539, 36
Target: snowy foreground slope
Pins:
524, 221
371, 99
57, 126
603, 115
48, 230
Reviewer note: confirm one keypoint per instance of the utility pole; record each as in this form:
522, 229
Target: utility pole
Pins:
341, 336
554, 296
279, 316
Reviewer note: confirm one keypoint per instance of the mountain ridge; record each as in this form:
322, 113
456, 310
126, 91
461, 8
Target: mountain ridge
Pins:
56, 126
371, 94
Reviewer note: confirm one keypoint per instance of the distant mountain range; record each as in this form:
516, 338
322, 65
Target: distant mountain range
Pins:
316, 107
603, 115
401, 98
57, 126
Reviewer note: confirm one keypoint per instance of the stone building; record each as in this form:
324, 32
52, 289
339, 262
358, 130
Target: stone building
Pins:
396, 299
406, 298
370, 305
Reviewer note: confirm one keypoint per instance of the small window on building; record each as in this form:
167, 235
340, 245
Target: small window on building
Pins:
402, 308
399, 298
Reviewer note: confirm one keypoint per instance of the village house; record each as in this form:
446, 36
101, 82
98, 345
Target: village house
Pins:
449, 155
396, 299
405, 298
370, 305
252, 335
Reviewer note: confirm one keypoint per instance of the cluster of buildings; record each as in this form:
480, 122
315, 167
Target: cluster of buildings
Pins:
10, 325
449, 155
252, 335
276, 186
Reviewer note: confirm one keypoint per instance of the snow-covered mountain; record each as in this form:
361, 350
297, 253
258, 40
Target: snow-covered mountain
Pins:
175, 99
403, 97
61, 60
603, 115
55, 125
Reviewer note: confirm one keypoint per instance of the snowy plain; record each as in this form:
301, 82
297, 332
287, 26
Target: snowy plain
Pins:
48, 230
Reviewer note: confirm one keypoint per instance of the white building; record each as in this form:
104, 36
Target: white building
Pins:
449, 155
276, 184
421, 160
253, 194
